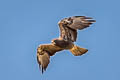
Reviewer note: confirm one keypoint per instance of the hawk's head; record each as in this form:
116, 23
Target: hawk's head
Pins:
55, 41
62, 43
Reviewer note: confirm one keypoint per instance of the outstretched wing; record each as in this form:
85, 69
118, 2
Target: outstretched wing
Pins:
69, 26
43, 54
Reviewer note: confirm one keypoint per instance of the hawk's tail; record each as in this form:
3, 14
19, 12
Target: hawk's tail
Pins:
77, 51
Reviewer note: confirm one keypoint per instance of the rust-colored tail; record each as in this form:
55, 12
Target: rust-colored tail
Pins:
77, 51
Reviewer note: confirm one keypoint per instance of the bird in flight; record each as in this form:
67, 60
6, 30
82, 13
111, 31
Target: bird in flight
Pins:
68, 35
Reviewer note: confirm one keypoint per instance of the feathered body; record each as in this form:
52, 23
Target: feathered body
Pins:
68, 35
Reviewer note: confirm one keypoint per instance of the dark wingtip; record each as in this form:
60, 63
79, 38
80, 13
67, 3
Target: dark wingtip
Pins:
85, 17
88, 18
42, 70
91, 21
79, 16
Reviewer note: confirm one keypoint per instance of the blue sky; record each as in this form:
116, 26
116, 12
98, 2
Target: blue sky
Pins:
24, 24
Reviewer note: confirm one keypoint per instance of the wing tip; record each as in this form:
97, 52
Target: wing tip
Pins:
91, 20
43, 61
85, 17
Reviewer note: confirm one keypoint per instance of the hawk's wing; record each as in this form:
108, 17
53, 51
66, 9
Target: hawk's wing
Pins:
69, 26
43, 54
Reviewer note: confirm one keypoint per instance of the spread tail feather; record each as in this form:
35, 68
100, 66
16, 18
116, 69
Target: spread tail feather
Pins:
78, 51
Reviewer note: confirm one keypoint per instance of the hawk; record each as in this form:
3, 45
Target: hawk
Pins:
68, 35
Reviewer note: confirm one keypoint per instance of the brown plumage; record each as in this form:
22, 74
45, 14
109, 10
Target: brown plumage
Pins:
68, 35
43, 54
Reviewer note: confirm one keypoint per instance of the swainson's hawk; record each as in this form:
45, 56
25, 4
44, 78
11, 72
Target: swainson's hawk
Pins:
68, 34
